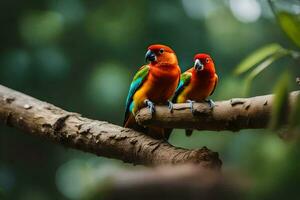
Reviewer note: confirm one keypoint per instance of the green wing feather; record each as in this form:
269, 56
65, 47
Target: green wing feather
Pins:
137, 81
184, 81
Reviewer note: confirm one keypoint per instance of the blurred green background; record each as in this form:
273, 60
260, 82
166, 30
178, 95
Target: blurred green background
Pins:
81, 56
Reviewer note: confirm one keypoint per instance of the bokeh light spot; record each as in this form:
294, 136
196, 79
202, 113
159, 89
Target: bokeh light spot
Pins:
76, 177
104, 27
246, 10
39, 28
108, 84
7, 178
17, 63
72, 10
199, 9
52, 62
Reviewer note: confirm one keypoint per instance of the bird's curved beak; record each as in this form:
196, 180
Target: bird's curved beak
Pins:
198, 65
150, 56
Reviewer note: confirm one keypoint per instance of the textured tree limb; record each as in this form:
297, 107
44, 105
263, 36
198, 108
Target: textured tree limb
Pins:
233, 115
169, 182
98, 137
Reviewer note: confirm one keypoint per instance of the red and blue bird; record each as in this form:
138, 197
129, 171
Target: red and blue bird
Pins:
154, 83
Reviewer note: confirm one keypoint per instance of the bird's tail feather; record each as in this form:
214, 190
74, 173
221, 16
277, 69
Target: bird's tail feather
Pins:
159, 133
188, 132
152, 131
131, 123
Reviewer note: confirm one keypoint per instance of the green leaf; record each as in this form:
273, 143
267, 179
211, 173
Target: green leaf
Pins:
262, 66
280, 103
294, 118
290, 23
256, 57
293, 129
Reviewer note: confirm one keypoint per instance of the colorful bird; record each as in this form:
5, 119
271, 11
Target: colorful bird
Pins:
154, 83
197, 83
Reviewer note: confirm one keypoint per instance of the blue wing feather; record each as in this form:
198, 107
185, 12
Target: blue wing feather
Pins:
181, 83
133, 88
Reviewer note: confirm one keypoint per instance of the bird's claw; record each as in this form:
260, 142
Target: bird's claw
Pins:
211, 103
170, 106
191, 105
150, 105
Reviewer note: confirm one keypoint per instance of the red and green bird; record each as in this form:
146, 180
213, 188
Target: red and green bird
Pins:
154, 83
197, 83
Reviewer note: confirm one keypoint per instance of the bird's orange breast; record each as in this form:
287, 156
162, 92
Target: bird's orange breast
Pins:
199, 88
159, 86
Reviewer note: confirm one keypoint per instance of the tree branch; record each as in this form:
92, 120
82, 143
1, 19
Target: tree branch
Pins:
233, 115
168, 182
98, 137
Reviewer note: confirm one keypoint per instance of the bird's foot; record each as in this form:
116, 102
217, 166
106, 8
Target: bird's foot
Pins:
210, 102
191, 105
150, 105
170, 106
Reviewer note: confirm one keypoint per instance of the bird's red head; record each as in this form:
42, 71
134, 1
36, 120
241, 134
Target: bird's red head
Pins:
161, 54
203, 62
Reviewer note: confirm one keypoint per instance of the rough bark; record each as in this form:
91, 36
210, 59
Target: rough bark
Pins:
233, 115
98, 137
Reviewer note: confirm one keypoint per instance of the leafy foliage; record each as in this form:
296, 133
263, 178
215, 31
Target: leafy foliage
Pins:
288, 16
261, 59
280, 104
290, 24
256, 57
294, 120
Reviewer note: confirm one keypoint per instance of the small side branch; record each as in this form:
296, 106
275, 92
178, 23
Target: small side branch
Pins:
98, 137
233, 115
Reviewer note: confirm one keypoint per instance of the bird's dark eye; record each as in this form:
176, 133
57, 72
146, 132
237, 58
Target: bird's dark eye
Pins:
207, 60
161, 51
